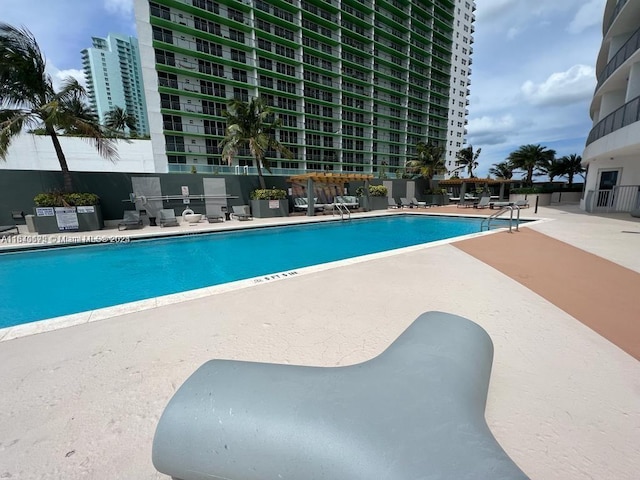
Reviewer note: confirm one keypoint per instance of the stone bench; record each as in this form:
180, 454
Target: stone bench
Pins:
416, 411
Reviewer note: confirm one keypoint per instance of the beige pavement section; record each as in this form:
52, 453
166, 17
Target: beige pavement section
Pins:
83, 402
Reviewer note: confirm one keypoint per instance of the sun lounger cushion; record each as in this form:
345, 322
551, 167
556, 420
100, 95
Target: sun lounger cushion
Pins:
8, 230
416, 411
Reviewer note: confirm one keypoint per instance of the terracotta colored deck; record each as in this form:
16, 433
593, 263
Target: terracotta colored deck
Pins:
601, 294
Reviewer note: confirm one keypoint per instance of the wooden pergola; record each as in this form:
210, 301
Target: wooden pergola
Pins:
331, 179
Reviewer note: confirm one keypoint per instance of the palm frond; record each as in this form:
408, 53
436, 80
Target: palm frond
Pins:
11, 124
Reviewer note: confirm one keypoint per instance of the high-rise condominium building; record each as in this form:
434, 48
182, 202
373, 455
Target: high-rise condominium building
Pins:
356, 83
612, 153
460, 72
114, 78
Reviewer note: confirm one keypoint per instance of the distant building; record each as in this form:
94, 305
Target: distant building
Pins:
114, 78
612, 152
356, 84
461, 60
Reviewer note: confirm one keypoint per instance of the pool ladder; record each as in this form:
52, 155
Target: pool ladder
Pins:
509, 209
342, 210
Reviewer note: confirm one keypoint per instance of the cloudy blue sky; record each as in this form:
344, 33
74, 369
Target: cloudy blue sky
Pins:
533, 63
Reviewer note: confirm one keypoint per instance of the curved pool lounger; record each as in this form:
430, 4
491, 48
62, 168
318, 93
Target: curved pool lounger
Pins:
414, 412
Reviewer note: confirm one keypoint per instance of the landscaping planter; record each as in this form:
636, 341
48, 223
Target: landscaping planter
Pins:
270, 208
68, 219
378, 203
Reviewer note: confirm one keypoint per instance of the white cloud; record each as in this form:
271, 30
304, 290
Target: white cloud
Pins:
58, 76
589, 15
122, 7
491, 130
562, 88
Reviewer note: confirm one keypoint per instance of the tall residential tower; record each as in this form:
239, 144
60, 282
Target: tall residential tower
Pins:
114, 78
460, 71
356, 83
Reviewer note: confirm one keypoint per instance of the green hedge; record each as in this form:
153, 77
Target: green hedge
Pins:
268, 194
59, 199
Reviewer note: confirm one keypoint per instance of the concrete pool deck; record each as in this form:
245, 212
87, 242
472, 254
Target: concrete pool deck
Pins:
564, 401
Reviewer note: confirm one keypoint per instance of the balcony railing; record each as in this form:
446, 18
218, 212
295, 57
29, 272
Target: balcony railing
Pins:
621, 198
615, 13
626, 51
625, 115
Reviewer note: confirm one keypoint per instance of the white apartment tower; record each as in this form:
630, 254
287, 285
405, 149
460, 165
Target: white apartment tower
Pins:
114, 78
459, 88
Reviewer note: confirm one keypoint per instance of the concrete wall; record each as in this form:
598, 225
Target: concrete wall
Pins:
35, 152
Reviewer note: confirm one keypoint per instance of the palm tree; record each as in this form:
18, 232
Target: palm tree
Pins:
118, 119
502, 170
429, 161
251, 124
28, 99
466, 158
571, 165
529, 158
551, 168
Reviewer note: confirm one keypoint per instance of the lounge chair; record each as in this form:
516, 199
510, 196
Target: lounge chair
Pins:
393, 203
215, 218
221, 423
241, 213
7, 230
468, 201
405, 203
168, 218
418, 204
483, 203
300, 204
522, 203
130, 220
347, 200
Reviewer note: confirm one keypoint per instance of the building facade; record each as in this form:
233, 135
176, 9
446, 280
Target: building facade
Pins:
461, 60
356, 83
612, 152
114, 78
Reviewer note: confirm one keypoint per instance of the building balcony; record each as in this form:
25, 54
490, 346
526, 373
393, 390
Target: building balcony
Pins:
625, 115
630, 47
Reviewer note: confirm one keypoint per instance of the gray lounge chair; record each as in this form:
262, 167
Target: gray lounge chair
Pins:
392, 202
414, 412
483, 203
8, 230
418, 204
405, 203
168, 218
241, 212
130, 220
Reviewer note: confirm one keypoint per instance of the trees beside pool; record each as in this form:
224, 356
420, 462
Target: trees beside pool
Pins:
252, 124
429, 161
467, 159
28, 99
529, 158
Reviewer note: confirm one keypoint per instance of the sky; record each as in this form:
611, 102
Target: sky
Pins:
532, 77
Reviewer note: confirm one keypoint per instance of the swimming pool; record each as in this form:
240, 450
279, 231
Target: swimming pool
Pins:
41, 284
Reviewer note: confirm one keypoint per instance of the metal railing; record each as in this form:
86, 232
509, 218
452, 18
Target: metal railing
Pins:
508, 208
621, 198
625, 115
342, 210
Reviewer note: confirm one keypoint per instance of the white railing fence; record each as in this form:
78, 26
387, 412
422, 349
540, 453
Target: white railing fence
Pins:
621, 198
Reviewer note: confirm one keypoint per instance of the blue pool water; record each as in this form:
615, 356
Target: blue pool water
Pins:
42, 284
